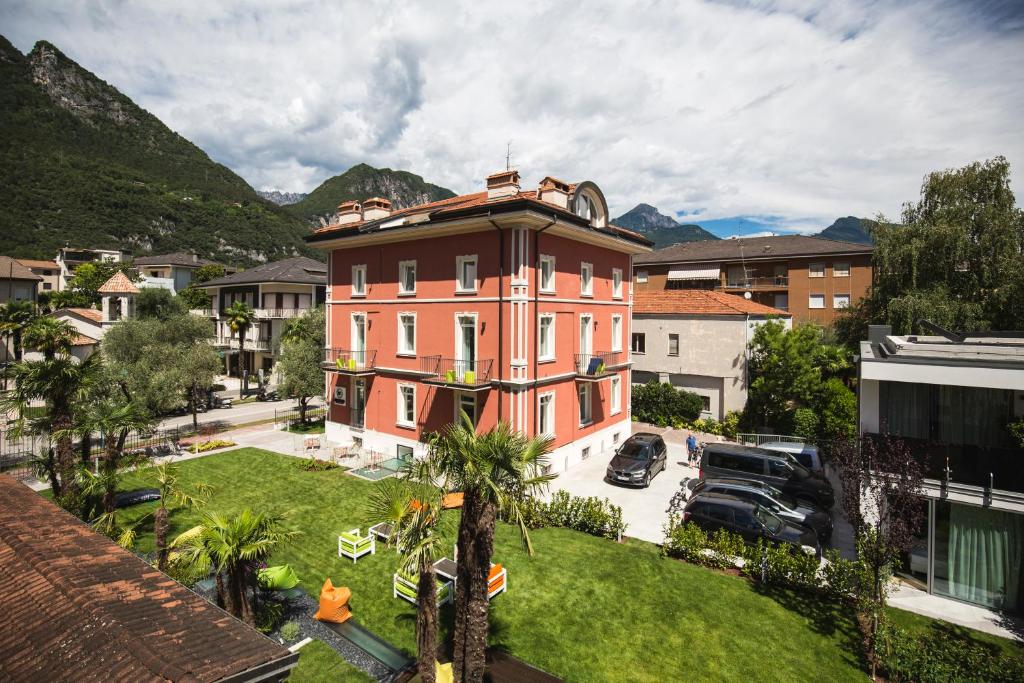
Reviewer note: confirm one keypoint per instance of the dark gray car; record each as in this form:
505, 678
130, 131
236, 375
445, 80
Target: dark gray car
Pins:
771, 498
711, 511
731, 461
638, 459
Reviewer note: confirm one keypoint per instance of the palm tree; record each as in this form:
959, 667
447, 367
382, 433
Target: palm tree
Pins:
15, 316
413, 511
233, 546
495, 471
50, 336
239, 317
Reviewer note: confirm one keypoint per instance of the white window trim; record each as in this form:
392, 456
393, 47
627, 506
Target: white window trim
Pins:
400, 418
615, 403
617, 338
547, 258
458, 332
845, 272
641, 276
551, 355
835, 301
459, 261
640, 353
589, 317
810, 270
551, 412
810, 299
668, 349
401, 334
617, 288
366, 285
585, 387
589, 267
457, 406
415, 278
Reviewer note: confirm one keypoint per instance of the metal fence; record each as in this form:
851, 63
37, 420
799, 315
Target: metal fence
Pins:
758, 439
289, 415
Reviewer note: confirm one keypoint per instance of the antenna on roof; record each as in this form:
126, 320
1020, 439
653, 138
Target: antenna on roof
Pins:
508, 155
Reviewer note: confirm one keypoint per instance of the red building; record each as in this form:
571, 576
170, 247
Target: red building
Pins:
507, 304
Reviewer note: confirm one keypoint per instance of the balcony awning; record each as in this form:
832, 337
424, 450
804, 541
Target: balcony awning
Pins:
695, 273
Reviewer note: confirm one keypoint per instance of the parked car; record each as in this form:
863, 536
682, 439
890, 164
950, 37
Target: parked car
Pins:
803, 453
770, 498
781, 470
638, 459
712, 511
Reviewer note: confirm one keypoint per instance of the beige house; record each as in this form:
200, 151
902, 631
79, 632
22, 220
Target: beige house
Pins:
697, 340
49, 271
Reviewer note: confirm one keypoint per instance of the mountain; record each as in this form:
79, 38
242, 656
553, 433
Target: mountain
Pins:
663, 230
402, 188
281, 198
83, 165
849, 229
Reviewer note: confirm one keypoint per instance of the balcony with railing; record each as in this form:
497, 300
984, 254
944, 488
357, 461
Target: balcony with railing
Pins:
348, 362
204, 312
988, 468
269, 313
251, 343
459, 374
595, 366
758, 282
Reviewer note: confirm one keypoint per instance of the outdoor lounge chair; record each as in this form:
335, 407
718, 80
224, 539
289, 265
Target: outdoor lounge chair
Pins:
405, 586
333, 603
497, 581
383, 531
352, 544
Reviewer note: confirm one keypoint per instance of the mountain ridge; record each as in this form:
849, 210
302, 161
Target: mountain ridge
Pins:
849, 229
663, 230
362, 181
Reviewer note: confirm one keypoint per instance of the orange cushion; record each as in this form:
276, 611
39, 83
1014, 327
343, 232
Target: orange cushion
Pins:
333, 603
452, 500
495, 570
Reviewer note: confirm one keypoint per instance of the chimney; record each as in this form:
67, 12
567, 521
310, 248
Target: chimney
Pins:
376, 207
554, 191
502, 184
348, 212
195, 258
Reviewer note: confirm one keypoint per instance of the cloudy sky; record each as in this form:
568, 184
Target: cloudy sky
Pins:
741, 115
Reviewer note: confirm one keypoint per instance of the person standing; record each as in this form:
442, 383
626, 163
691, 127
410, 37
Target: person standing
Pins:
691, 449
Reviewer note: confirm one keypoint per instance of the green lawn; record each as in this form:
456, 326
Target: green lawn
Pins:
584, 608
311, 427
319, 663
921, 625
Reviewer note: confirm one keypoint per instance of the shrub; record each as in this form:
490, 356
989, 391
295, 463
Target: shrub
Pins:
840, 578
316, 465
204, 446
290, 632
685, 541
268, 616
594, 516
731, 424
836, 408
805, 424
661, 404
946, 653
781, 564
1016, 430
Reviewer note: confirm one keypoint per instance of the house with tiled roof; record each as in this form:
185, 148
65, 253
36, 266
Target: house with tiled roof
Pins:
17, 282
813, 278
696, 339
48, 271
170, 271
79, 608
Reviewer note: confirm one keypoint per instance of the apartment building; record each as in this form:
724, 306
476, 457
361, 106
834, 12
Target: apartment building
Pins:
69, 258
277, 292
696, 340
170, 271
951, 399
812, 278
508, 304
48, 272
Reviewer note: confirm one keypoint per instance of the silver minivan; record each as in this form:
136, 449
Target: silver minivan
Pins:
803, 453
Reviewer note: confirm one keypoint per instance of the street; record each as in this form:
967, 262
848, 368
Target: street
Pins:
239, 414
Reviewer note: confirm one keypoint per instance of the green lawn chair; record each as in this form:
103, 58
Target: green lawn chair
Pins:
405, 586
353, 544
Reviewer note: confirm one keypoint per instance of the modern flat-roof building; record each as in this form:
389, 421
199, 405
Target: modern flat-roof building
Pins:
696, 339
508, 304
277, 291
170, 271
952, 399
80, 608
812, 278
69, 258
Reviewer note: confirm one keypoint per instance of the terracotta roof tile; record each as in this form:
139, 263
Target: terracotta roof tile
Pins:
90, 313
118, 284
84, 609
35, 263
12, 269
750, 248
697, 302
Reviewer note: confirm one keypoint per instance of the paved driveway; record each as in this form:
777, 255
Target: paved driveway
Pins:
645, 511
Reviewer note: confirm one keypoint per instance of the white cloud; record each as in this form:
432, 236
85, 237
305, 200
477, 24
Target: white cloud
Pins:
803, 110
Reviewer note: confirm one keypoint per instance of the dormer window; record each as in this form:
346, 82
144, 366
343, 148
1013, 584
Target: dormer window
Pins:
585, 207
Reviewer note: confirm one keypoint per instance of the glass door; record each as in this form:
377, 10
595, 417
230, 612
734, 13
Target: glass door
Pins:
465, 345
358, 403
359, 339
585, 335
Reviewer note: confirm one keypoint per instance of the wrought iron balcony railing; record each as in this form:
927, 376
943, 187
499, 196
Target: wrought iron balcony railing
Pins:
349, 361
454, 372
597, 365
265, 313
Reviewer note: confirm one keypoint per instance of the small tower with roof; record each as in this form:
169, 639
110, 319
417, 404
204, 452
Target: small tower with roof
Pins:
118, 295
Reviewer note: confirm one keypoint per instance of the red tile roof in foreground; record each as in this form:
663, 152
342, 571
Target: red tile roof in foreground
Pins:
79, 608
118, 284
698, 302
90, 313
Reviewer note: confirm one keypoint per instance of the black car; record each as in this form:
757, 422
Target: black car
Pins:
638, 459
711, 511
781, 504
781, 470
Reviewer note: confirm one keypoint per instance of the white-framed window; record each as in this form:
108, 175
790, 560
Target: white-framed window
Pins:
586, 407
641, 276
673, 344
546, 350
407, 277
840, 269
616, 332
406, 334
359, 280
841, 301
616, 283
547, 274
816, 301
406, 405
465, 273
465, 401
546, 413
586, 279
616, 391
816, 270
638, 343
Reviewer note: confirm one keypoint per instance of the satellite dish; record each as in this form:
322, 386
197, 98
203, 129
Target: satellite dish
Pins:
746, 295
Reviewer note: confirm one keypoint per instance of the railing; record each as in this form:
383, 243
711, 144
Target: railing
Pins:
250, 344
264, 313
596, 364
204, 312
982, 466
760, 281
759, 439
458, 372
349, 360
